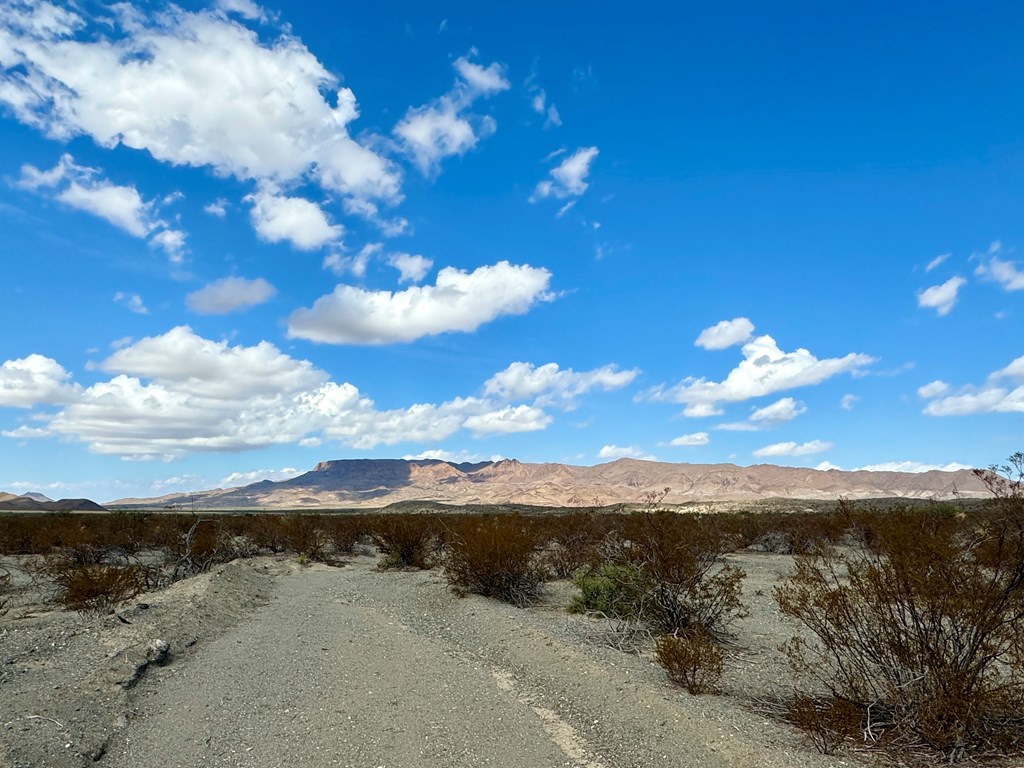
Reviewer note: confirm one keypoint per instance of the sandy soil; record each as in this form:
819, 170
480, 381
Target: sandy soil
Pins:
272, 664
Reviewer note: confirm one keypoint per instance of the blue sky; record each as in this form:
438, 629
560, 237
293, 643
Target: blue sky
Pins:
241, 239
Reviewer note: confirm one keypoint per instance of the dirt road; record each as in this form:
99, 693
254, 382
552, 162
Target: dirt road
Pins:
354, 667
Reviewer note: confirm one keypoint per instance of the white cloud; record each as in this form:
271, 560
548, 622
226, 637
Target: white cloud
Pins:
764, 370
173, 243
933, 389
937, 261
725, 334
458, 301
444, 127
179, 393
568, 179
278, 218
453, 457
25, 433
778, 412
229, 294
244, 8
508, 420
550, 385
696, 439
702, 410
191, 88
1003, 272
217, 208
912, 466
847, 401
236, 479
825, 466
793, 449
133, 301
34, 380
340, 263
412, 268
624, 452
991, 397
942, 297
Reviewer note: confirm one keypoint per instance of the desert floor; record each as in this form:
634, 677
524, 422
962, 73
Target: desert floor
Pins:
275, 664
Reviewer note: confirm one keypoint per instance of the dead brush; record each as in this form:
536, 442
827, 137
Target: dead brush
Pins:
404, 540
495, 556
829, 723
926, 626
691, 659
98, 588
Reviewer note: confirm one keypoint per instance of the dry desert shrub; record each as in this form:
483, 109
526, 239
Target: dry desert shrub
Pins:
691, 659
344, 532
924, 629
574, 541
98, 588
828, 722
495, 556
404, 540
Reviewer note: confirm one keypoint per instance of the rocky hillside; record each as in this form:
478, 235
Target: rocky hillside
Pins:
378, 482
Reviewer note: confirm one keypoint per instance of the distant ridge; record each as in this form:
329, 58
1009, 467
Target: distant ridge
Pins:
36, 502
361, 483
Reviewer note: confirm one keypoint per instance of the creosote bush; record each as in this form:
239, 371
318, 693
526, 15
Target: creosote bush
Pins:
924, 629
691, 659
495, 556
404, 540
98, 588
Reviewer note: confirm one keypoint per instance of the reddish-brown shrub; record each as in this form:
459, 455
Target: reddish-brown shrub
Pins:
691, 659
404, 540
495, 556
98, 587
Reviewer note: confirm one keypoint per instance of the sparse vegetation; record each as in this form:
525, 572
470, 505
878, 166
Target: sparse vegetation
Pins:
404, 540
691, 659
495, 556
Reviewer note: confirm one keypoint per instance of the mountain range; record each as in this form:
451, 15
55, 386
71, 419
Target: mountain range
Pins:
365, 483
37, 502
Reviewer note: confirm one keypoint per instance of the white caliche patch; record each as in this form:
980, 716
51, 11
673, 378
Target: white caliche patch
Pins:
549, 384
695, 439
85, 189
412, 268
726, 333
230, 294
764, 370
624, 452
568, 178
179, 393
994, 396
279, 218
191, 88
941, 297
34, 380
236, 479
132, 301
793, 449
458, 301
445, 127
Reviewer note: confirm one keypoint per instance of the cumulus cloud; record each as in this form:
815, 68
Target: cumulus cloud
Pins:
568, 178
793, 449
624, 452
34, 380
179, 393
551, 385
236, 479
779, 412
696, 439
994, 396
933, 389
458, 301
445, 127
412, 268
764, 370
218, 208
942, 297
1003, 272
453, 457
339, 263
229, 294
915, 467
847, 402
302, 223
725, 334
83, 188
25, 433
191, 88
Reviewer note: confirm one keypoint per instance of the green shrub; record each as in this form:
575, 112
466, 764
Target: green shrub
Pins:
613, 590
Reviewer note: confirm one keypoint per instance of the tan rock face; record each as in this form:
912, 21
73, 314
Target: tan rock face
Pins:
378, 482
